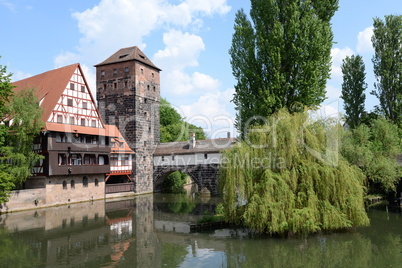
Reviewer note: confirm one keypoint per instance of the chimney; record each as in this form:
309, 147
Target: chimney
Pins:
192, 140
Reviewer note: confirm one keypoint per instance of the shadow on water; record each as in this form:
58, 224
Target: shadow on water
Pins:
153, 231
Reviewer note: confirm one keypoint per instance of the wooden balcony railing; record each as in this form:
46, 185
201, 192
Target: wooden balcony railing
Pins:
119, 188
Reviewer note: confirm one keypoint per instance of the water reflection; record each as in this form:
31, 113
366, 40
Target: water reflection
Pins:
153, 231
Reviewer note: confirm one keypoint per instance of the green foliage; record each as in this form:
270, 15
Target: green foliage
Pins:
173, 127
282, 58
21, 124
287, 178
217, 217
182, 204
174, 182
353, 88
173, 255
387, 63
374, 148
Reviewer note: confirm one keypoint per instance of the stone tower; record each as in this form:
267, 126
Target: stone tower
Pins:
128, 95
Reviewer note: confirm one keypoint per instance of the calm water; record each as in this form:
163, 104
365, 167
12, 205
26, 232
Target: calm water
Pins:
153, 231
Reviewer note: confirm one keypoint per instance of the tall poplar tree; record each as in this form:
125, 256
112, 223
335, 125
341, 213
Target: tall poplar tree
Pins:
387, 61
353, 87
282, 57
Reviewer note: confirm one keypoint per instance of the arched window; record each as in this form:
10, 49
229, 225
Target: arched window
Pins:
72, 184
96, 183
85, 181
64, 185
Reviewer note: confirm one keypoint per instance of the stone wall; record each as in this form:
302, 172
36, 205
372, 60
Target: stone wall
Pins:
130, 100
24, 199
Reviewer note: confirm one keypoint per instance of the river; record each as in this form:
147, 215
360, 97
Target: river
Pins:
154, 231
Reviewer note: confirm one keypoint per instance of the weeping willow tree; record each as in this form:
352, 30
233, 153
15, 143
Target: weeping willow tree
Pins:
288, 178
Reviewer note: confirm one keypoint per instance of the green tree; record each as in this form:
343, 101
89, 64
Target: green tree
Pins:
278, 181
173, 127
374, 148
387, 61
20, 124
282, 58
353, 88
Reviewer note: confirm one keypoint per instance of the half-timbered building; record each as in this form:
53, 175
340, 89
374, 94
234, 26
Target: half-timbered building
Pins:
75, 143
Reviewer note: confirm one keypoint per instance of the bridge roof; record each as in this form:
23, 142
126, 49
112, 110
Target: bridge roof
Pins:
202, 146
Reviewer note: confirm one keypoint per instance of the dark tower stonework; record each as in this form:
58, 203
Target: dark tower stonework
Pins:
128, 95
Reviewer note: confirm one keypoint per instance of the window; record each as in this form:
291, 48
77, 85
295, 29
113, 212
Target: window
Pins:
144, 158
145, 143
59, 119
114, 160
104, 86
115, 85
70, 102
75, 159
205, 156
148, 87
96, 183
64, 185
84, 105
85, 181
115, 72
163, 158
125, 160
154, 89
62, 159
102, 73
113, 144
152, 75
72, 86
103, 160
72, 120
89, 159
172, 156
145, 101
93, 123
121, 144
142, 71
61, 137
127, 70
82, 88
82, 121
72, 184
125, 84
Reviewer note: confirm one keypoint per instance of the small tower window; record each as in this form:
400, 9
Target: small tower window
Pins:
126, 69
142, 71
115, 85
153, 76
115, 72
102, 73
148, 87
154, 89
125, 84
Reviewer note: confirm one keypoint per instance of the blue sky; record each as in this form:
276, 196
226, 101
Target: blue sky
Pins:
188, 39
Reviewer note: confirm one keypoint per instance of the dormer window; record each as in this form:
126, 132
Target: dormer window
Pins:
123, 56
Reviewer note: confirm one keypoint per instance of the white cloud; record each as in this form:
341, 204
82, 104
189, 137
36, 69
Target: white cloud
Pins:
338, 55
182, 50
65, 58
364, 44
214, 112
8, 4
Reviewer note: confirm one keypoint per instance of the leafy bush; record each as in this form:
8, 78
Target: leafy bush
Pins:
174, 182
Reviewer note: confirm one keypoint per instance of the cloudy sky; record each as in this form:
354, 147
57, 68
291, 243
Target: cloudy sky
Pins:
188, 39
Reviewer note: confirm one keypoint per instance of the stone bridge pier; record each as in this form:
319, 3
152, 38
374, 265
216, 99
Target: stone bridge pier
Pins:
204, 175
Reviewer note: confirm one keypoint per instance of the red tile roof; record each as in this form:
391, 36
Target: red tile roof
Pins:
49, 86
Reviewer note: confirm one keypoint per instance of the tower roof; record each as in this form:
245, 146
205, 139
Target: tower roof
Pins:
128, 54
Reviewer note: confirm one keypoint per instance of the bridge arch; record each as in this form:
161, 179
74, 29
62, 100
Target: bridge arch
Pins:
204, 176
